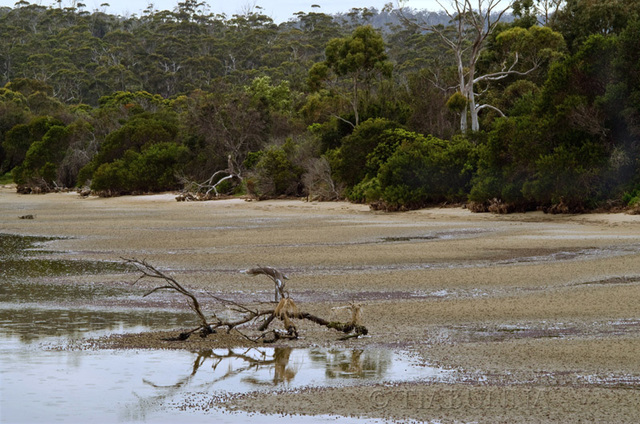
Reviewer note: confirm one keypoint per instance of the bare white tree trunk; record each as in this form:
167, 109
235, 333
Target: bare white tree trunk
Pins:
463, 88
471, 26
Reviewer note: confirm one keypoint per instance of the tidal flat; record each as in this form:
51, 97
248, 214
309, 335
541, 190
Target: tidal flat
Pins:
521, 318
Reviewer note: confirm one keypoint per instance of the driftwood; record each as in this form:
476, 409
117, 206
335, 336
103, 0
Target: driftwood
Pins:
285, 310
276, 276
207, 190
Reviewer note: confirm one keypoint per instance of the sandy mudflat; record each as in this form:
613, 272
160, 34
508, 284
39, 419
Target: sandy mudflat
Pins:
539, 315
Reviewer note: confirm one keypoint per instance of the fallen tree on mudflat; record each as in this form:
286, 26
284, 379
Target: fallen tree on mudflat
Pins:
284, 311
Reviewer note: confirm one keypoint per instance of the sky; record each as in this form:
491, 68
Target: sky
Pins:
279, 10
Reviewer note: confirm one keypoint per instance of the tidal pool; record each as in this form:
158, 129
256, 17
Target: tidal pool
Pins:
152, 385
46, 376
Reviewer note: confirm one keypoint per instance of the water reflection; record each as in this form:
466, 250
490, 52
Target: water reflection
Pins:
248, 364
246, 370
143, 385
256, 369
21, 258
31, 324
357, 363
146, 385
33, 307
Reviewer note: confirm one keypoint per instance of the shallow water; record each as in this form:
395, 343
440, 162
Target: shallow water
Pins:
42, 381
35, 304
23, 258
130, 386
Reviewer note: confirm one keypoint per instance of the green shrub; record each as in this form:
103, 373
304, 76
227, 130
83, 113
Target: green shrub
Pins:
631, 198
350, 161
153, 169
506, 161
137, 134
252, 159
19, 138
6, 178
40, 166
275, 174
426, 170
367, 191
568, 177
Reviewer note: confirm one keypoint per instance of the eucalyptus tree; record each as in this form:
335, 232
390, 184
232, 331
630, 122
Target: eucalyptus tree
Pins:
352, 66
466, 38
541, 12
579, 19
357, 17
251, 38
303, 40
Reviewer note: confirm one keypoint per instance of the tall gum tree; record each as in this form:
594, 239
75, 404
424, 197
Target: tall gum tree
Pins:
466, 37
351, 67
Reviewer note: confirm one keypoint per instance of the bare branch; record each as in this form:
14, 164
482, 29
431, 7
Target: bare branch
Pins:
194, 190
285, 311
505, 73
346, 121
490, 107
276, 276
149, 270
466, 38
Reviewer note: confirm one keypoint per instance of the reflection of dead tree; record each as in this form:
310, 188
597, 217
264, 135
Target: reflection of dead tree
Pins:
286, 310
193, 190
279, 362
250, 361
355, 363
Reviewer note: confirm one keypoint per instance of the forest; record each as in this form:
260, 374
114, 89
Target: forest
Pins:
516, 106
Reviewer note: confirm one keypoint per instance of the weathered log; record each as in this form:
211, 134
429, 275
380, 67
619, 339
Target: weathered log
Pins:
286, 310
276, 276
344, 327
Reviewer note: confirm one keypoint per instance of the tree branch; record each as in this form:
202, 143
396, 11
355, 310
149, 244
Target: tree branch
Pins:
490, 107
285, 310
503, 74
201, 191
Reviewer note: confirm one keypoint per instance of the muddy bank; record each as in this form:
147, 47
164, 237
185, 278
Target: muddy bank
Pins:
515, 301
454, 403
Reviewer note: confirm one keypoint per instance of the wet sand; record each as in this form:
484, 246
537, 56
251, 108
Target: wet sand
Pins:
538, 315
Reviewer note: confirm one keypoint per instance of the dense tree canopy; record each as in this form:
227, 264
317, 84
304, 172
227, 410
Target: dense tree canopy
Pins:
368, 105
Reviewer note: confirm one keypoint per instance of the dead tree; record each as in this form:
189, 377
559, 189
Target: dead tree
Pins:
472, 24
193, 190
285, 311
149, 271
275, 275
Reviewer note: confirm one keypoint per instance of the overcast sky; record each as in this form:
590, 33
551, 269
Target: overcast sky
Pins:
279, 10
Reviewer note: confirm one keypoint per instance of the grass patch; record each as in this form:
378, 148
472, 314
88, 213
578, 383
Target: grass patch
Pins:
6, 178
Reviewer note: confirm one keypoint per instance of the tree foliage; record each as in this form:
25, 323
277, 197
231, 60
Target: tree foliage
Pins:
352, 66
311, 106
